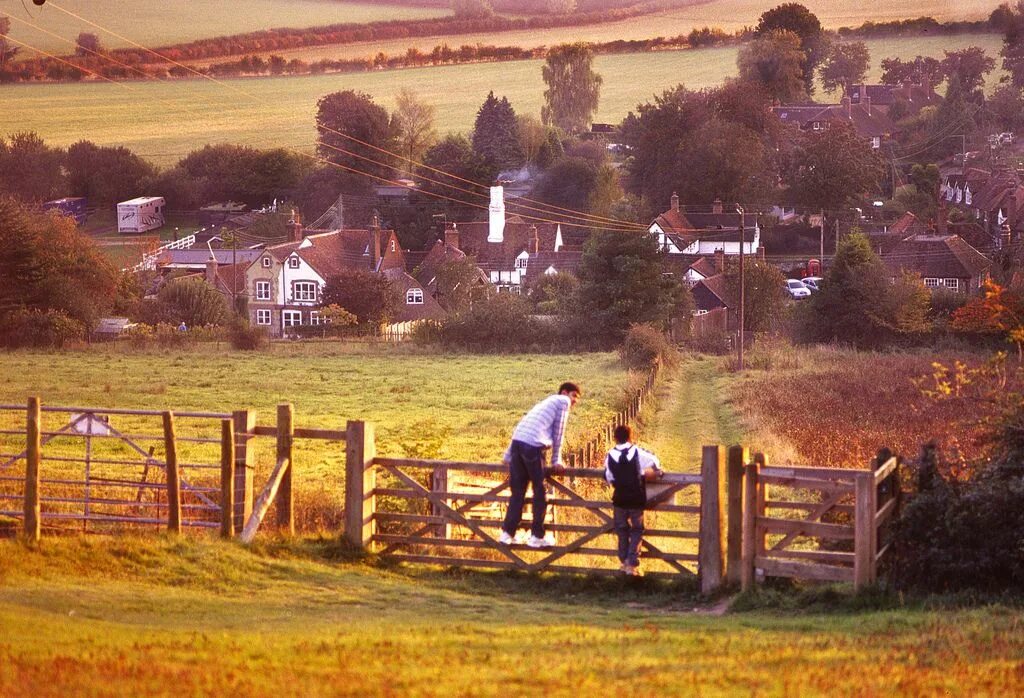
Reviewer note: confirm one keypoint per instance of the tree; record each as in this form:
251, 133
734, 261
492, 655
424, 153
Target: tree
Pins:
459, 285
859, 304
29, 169
813, 42
621, 283
1013, 42
573, 88
472, 9
833, 169
8, 50
846, 65
970, 65
495, 133
764, 293
953, 117
353, 131
106, 175
372, 298
414, 123
193, 302
456, 156
87, 44
241, 173
555, 294
569, 183
774, 60
923, 70
1006, 105
723, 160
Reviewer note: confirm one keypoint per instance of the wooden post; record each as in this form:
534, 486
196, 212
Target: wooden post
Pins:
173, 476
738, 457
439, 483
33, 448
864, 543
244, 423
711, 550
753, 506
285, 495
227, 479
360, 481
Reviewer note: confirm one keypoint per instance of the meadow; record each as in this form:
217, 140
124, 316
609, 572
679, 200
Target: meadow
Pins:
178, 21
163, 121
99, 616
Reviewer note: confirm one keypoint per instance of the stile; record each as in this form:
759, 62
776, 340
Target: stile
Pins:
173, 475
227, 478
33, 448
711, 549
738, 457
285, 494
360, 481
245, 424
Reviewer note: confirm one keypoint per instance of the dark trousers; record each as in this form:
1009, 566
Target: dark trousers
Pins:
526, 467
629, 526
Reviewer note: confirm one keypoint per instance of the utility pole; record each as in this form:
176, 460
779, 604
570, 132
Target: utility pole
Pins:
739, 344
821, 258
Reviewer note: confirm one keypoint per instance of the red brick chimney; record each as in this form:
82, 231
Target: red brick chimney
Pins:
720, 261
295, 227
534, 241
451, 235
716, 207
674, 201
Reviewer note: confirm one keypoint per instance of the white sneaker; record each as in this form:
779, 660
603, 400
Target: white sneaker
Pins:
535, 542
505, 539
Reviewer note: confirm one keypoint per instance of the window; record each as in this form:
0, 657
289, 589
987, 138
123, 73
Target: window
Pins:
304, 291
394, 246
263, 291
698, 312
291, 318
521, 262
262, 317
931, 283
293, 262
316, 319
414, 296
266, 262
876, 142
953, 284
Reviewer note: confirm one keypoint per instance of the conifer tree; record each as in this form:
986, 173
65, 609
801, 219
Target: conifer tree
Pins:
496, 133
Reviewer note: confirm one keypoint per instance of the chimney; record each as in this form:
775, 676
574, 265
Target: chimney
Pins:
942, 219
716, 207
211, 270
451, 236
674, 201
295, 227
867, 104
496, 231
847, 107
720, 261
534, 241
1005, 236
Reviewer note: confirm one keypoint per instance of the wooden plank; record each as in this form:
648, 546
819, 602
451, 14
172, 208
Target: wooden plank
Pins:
802, 570
244, 422
33, 450
827, 556
173, 475
262, 503
711, 547
286, 495
595, 473
886, 470
807, 483
567, 528
227, 478
429, 541
807, 471
885, 512
814, 515
261, 430
748, 548
325, 434
806, 506
737, 460
864, 526
360, 484
883, 551
805, 528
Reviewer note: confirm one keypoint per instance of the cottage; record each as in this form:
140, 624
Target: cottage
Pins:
942, 261
691, 233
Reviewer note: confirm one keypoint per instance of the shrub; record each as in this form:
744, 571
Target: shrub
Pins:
644, 346
716, 342
247, 338
41, 328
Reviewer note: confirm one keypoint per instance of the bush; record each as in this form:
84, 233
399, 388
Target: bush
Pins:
715, 342
248, 338
41, 328
644, 346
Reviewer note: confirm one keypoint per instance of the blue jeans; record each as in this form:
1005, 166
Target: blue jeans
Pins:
629, 525
527, 467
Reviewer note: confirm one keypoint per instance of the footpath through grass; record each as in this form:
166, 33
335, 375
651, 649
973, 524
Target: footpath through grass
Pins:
158, 617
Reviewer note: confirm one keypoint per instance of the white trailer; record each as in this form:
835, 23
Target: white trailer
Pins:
141, 214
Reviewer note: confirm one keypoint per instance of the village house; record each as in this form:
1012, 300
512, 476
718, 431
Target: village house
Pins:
994, 200
911, 97
942, 261
692, 233
870, 123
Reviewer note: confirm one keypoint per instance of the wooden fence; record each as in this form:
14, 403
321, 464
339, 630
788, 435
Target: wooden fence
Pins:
736, 521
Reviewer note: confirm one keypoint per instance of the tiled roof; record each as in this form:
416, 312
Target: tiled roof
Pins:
908, 224
561, 261
429, 309
704, 266
711, 293
940, 256
231, 277
340, 250
516, 238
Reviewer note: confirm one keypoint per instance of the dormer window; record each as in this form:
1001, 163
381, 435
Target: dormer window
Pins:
266, 262
293, 262
394, 246
521, 262
414, 296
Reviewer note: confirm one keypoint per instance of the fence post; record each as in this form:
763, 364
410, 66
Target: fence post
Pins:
751, 489
33, 447
227, 479
439, 483
360, 481
173, 476
711, 550
245, 422
285, 494
864, 530
738, 457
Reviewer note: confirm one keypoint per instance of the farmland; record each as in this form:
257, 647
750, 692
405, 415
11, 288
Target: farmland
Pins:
160, 23
161, 617
162, 121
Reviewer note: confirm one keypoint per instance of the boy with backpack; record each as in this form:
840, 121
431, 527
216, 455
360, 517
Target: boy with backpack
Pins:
628, 468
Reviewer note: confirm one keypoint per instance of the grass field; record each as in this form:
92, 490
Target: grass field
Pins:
163, 121
178, 21
96, 616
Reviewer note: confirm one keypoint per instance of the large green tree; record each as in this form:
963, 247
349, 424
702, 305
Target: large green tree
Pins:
454, 155
846, 65
724, 160
970, 65
1012, 21
194, 302
241, 173
774, 60
621, 283
104, 174
834, 169
414, 124
813, 41
764, 293
573, 88
372, 298
922, 70
356, 133
29, 169
496, 133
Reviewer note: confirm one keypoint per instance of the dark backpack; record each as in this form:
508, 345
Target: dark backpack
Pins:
629, 489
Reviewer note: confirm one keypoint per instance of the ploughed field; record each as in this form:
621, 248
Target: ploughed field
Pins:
164, 120
97, 616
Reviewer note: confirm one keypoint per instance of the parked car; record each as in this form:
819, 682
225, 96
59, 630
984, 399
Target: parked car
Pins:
797, 289
813, 283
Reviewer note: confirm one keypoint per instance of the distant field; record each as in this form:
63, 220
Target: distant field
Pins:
162, 121
176, 21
